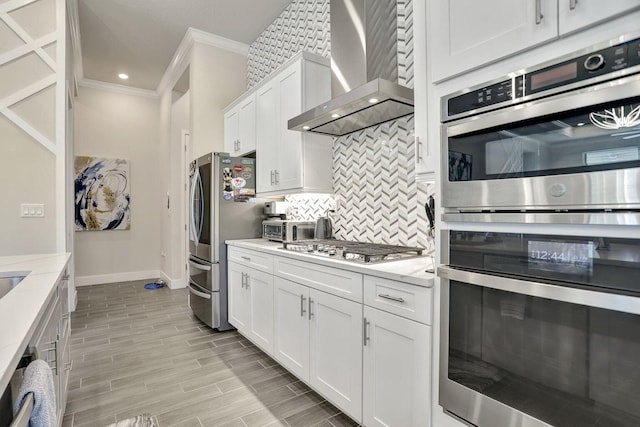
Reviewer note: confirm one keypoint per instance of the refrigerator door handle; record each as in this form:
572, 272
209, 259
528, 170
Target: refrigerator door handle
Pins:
196, 292
192, 216
200, 205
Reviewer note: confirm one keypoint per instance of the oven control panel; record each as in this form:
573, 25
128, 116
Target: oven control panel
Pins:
592, 67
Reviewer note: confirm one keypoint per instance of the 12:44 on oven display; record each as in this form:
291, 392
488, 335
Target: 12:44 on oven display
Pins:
561, 257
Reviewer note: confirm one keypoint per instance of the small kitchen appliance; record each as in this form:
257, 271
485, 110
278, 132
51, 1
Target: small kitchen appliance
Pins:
324, 230
276, 209
283, 230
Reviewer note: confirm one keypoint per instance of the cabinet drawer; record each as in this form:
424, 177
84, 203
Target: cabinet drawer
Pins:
342, 283
254, 259
410, 301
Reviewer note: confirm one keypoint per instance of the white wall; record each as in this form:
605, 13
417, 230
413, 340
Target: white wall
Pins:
115, 125
217, 77
27, 171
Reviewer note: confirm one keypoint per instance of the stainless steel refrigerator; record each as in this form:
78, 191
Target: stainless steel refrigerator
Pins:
222, 207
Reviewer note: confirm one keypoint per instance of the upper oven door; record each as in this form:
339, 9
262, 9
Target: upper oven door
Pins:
573, 151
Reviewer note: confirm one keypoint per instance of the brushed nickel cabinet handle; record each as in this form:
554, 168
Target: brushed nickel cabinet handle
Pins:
310, 312
302, 310
539, 15
392, 298
365, 338
246, 258
573, 4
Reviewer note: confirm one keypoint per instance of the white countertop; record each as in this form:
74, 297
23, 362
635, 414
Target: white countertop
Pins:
22, 308
411, 270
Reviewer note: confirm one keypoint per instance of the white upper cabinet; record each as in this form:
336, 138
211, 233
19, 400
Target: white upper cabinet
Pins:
291, 161
240, 126
577, 14
466, 34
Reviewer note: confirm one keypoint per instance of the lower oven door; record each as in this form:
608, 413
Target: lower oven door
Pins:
519, 353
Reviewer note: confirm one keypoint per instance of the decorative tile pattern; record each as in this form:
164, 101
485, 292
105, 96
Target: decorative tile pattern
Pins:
308, 207
405, 43
374, 184
304, 25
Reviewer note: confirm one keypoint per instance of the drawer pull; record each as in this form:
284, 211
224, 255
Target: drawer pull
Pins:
246, 258
392, 298
310, 304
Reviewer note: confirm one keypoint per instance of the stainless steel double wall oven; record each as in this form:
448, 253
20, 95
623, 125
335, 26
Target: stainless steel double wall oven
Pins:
543, 328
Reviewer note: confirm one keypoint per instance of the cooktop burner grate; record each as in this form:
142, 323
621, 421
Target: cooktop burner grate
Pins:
353, 251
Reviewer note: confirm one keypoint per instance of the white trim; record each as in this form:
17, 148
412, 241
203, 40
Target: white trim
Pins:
74, 30
173, 283
27, 91
14, 4
99, 279
18, 121
214, 40
112, 87
179, 62
61, 128
16, 28
27, 48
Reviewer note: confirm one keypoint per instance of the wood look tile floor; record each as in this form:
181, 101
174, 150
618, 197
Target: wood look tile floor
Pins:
141, 351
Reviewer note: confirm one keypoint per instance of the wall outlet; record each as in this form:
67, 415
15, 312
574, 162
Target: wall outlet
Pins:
32, 210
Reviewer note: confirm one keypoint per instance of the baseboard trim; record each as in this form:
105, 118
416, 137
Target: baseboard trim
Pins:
100, 279
173, 283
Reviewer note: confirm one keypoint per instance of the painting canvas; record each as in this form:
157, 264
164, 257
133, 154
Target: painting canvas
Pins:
102, 199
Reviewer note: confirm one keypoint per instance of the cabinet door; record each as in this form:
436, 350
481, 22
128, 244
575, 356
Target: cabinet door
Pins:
247, 125
238, 297
466, 34
260, 286
289, 170
336, 351
231, 131
576, 14
267, 137
291, 335
396, 363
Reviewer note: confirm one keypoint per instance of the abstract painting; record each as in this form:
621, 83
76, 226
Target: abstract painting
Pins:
102, 199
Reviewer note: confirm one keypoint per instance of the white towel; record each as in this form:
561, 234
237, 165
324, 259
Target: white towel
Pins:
38, 380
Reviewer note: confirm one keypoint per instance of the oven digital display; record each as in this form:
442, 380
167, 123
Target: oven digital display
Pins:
554, 75
562, 257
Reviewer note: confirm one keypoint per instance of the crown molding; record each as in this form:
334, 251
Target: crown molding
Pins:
112, 87
182, 56
209, 39
74, 30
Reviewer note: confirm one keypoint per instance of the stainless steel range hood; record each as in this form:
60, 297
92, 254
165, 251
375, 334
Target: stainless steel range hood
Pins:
364, 71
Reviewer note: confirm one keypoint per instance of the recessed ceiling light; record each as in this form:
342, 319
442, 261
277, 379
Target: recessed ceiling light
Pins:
306, 127
123, 76
580, 124
373, 100
335, 115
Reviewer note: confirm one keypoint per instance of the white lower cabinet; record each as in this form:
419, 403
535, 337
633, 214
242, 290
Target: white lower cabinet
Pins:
251, 304
291, 347
335, 367
367, 352
396, 366
318, 337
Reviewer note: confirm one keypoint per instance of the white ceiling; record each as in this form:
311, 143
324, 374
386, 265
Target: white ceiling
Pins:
139, 37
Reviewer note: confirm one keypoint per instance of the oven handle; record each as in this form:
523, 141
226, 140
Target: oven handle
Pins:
609, 301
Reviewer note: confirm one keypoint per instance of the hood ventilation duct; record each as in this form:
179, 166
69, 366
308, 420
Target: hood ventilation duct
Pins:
364, 71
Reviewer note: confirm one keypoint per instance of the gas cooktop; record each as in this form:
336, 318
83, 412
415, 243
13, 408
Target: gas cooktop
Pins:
353, 251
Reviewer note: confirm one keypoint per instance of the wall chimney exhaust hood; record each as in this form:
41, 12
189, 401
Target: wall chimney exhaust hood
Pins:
364, 71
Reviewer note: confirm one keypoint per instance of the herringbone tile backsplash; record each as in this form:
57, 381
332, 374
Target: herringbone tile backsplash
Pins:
374, 184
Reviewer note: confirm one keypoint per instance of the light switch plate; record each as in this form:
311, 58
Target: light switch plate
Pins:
32, 210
